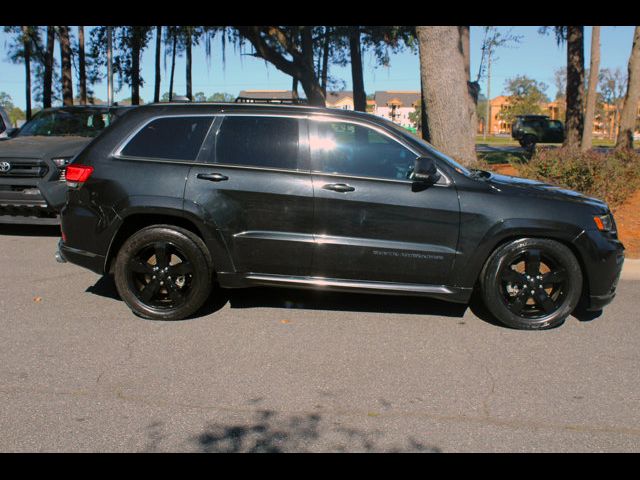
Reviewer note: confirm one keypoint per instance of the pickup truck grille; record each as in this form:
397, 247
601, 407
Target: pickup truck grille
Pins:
22, 168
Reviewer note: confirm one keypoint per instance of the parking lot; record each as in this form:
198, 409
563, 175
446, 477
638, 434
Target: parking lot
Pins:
286, 370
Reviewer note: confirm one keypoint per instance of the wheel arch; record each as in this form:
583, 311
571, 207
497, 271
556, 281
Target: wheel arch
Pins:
136, 219
510, 230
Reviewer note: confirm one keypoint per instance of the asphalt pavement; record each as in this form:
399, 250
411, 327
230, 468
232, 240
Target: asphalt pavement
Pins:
286, 370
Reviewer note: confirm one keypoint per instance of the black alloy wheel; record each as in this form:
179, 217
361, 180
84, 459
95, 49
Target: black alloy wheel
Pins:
532, 283
162, 272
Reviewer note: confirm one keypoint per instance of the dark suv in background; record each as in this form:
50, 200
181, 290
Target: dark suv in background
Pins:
35, 158
532, 129
177, 199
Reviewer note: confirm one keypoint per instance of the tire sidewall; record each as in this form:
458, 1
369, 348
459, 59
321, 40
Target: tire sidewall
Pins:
490, 282
201, 282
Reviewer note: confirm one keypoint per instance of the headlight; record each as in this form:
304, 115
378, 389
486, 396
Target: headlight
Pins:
61, 162
605, 223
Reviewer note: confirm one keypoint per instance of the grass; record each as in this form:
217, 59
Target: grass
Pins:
501, 157
494, 140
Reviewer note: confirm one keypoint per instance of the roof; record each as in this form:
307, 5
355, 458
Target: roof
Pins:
407, 98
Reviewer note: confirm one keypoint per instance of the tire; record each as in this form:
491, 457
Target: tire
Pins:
163, 272
529, 142
545, 267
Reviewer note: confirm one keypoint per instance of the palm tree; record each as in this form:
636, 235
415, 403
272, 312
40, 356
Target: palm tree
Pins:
594, 72
48, 67
65, 55
156, 88
630, 108
82, 67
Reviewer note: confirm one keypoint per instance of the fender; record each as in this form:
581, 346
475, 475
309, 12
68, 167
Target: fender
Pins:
156, 207
474, 252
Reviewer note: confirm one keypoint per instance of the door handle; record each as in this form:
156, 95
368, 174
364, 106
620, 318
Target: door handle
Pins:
212, 177
339, 187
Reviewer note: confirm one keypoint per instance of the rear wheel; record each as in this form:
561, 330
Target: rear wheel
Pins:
162, 273
531, 283
528, 142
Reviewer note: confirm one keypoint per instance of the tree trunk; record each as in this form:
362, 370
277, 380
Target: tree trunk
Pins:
594, 70
65, 56
294, 89
310, 83
173, 65
135, 67
575, 87
156, 87
359, 95
82, 67
188, 48
48, 68
630, 107
448, 103
424, 120
465, 46
26, 42
325, 62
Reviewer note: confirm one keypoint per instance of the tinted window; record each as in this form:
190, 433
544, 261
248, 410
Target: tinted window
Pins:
258, 141
175, 138
83, 123
350, 149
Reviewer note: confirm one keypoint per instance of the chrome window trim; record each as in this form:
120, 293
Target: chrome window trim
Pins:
323, 117
117, 153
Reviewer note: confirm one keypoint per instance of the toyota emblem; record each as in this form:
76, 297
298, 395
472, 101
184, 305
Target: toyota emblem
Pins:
5, 167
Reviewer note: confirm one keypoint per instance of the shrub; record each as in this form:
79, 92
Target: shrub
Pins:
610, 175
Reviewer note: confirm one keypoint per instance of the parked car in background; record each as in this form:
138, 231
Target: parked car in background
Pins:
6, 130
176, 199
532, 129
35, 158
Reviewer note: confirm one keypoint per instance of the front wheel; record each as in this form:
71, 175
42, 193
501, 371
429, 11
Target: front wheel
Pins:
531, 283
162, 273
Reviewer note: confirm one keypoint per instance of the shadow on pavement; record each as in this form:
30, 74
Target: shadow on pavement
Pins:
270, 432
30, 230
261, 297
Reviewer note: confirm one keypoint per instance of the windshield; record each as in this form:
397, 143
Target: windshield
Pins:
84, 123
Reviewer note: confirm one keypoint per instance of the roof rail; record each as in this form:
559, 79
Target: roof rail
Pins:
288, 101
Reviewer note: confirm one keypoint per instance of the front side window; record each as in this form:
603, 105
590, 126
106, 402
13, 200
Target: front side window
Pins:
173, 138
351, 149
269, 142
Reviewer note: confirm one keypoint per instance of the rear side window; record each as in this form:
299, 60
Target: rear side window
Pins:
174, 138
270, 142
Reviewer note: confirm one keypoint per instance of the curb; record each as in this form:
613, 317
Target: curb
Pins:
631, 269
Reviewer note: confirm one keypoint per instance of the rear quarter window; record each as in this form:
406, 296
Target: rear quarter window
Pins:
173, 138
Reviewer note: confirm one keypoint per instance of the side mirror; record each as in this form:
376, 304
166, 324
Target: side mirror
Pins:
425, 171
12, 132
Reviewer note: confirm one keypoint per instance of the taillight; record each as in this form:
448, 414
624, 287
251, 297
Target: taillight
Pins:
78, 174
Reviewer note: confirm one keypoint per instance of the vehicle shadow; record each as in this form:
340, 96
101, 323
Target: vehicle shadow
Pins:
271, 297
30, 230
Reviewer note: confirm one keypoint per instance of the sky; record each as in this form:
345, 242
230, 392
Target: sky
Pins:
536, 56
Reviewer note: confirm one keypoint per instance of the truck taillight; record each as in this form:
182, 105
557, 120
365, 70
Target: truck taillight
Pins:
76, 175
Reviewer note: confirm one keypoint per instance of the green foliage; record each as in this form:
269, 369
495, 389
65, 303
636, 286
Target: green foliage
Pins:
221, 97
15, 114
416, 115
612, 176
526, 97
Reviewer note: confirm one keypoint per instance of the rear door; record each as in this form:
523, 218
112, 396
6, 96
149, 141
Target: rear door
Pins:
252, 183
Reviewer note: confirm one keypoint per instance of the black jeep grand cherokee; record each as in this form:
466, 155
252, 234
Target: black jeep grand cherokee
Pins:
175, 199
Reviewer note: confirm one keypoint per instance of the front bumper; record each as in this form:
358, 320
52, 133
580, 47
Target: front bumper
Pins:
17, 207
603, 259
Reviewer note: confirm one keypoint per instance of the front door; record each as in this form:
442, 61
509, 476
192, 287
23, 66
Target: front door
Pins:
252, 184
372, 222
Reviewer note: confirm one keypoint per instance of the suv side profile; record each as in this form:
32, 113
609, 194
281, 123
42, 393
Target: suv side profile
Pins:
179, 200
532, 129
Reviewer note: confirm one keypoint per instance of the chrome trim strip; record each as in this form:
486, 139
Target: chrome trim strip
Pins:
322, 282
340, 240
